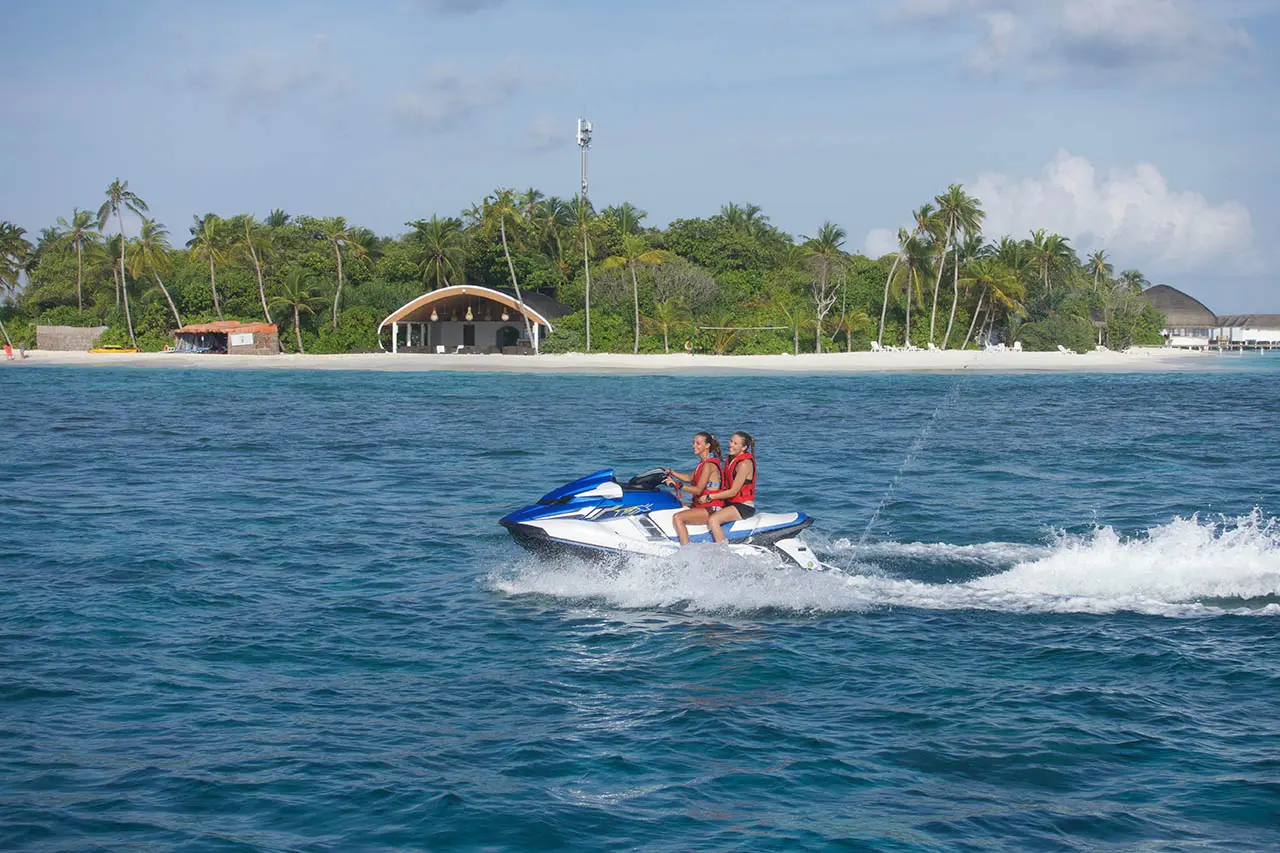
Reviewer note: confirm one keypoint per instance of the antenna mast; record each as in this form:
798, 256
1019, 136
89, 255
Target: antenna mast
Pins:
584, 142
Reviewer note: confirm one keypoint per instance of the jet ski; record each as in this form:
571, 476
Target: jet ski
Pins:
596, 516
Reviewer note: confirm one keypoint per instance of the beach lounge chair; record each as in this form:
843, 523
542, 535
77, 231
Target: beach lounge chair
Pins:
933, 347
1063, 349
1017, 346
875, 347
439, 349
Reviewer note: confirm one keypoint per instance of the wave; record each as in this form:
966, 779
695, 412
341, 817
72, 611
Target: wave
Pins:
1189, 567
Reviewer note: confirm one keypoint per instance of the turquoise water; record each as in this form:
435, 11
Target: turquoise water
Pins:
274, 611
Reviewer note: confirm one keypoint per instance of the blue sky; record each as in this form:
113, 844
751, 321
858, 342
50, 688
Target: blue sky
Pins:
1146, 127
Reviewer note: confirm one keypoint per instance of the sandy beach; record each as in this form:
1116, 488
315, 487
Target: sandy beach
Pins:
1145, 359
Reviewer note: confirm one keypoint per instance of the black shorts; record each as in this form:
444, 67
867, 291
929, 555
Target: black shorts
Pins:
744, 510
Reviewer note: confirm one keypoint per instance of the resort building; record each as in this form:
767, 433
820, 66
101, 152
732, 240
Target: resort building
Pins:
1188, 323
1248, 330
469, 318
229, 336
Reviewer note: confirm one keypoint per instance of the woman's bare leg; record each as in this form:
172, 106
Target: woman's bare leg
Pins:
685, 517
722, 516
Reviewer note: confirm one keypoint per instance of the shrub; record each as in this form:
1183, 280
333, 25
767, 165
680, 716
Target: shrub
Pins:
1058, 330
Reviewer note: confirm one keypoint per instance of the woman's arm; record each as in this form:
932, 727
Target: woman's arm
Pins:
745, 470
699, 487
676, 475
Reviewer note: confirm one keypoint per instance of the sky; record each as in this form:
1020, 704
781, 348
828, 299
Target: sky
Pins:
1147, 128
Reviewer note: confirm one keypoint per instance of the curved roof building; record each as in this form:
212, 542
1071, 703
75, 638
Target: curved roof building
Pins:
1180, 310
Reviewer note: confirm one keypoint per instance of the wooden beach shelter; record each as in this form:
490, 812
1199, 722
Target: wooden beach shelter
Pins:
469, 318
229, 336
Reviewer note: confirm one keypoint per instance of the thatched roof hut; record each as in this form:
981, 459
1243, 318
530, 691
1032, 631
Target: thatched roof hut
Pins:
1180, 310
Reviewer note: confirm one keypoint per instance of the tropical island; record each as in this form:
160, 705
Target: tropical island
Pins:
726, 284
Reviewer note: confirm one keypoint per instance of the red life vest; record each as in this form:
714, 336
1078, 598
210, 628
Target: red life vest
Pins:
747, 494
697, 472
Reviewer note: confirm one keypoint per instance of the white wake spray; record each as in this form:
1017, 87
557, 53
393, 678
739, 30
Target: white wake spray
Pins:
1188, 567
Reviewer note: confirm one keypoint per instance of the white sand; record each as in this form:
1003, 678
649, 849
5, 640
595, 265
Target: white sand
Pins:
1145, 359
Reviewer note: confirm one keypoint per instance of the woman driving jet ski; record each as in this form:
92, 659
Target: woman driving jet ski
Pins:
704, 479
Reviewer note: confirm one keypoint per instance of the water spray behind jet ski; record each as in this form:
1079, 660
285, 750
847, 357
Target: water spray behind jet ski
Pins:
598, 516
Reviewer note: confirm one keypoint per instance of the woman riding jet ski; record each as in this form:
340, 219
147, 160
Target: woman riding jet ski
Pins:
598, 516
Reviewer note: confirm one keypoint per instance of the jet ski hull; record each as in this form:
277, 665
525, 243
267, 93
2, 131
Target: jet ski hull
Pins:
595, 517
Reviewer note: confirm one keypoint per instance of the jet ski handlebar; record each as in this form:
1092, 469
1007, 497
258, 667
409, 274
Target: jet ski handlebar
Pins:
650, 479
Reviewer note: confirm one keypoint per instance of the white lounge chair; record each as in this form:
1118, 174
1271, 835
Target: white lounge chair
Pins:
875, 347
1063, 349
933, 347
439, 349
1017, 346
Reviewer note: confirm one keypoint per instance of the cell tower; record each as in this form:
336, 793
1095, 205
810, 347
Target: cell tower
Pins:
584, 142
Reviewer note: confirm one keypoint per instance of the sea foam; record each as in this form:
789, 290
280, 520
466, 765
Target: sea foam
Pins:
1188, 567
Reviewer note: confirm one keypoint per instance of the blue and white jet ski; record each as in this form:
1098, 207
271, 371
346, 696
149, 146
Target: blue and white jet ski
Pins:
598, 516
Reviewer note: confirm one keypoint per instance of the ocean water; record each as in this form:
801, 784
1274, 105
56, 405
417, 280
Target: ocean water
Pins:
272, 610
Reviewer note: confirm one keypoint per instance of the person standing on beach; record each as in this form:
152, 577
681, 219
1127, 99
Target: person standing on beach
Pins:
8, 351
704, 478
740, 493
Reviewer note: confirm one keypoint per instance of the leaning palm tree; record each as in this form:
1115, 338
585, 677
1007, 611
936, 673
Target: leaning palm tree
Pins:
826, 260
257, 246
119, 199
903, 237
335, 230
207, 244
77, 232
635, 251
967, 250
151, 252
499, 209
444, 248
992, 278
297, 295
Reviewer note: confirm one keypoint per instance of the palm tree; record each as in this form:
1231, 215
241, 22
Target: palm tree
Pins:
296, 294
584, 217
958, 213
77, 232
15, 251
996, 279
151, 251
635, 251
626, 216
550, 218
913, 270
444, 247
903, 237
339, 234
1050, 253
277, 218
529, 201
968, 249
259, 246
120, 198
666, 314
1134, 281
1097, 266
206, 243
499, 209
825, 257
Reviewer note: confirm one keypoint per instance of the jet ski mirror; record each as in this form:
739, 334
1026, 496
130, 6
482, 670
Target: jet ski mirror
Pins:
650, 479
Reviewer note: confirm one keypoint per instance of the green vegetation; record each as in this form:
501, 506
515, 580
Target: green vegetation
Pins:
727, 283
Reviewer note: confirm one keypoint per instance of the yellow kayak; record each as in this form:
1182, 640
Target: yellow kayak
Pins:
113, 348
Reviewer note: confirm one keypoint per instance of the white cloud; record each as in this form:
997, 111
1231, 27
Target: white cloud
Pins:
1092, 38
447, 96
263, 81
548, 133
879, 242
1132, 213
